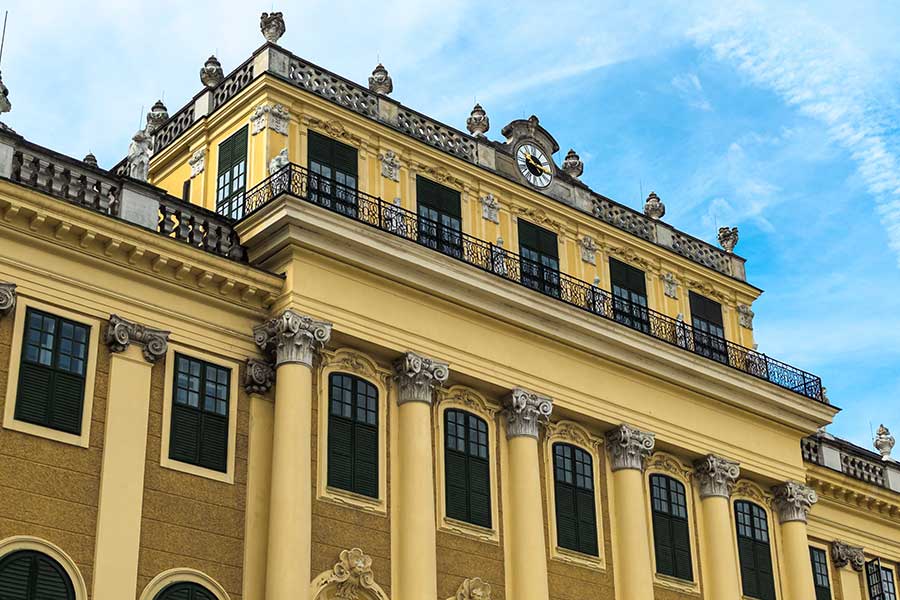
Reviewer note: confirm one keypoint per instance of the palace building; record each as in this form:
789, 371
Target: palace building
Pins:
305, 342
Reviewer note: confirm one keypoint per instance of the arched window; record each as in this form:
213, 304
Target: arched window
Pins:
671, 534
467, 472
576, 516
185, 591
353, 434
754, 550
31, 575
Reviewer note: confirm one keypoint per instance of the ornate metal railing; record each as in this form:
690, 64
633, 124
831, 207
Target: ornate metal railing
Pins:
296, 181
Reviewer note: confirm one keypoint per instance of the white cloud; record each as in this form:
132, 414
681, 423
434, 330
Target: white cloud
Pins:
690, 89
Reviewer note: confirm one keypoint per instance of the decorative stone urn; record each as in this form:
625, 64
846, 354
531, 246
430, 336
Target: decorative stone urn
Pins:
272, 26
884, 442
380, 81
654, 207
728, 238
572, 164
212, 74
478, 122
156, 117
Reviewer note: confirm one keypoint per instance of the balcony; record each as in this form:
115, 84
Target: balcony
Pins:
297, 182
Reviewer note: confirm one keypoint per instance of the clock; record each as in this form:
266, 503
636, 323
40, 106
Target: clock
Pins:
534, 165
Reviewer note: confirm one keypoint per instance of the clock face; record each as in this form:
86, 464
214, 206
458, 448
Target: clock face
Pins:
533, 165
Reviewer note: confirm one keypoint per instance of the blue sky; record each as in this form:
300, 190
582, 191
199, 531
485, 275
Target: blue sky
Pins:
776, 118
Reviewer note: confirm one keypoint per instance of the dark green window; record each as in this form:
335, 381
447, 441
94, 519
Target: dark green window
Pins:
353, 435
754, 550
709, 331
440, 219
185, 591
52, 372
629, 287
539, 258
880, 580
232, 179
671, 534
199, 432
30, 575
467, 471
332, 174
576, 516
819, 561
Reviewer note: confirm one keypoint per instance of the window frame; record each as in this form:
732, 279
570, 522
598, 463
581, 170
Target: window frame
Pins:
19, 324
356, 382
446, 239
546, 277
628, 311
813, 546
20, 543
760, 501
335, 195
243, 131
234, 397
706, 342
685, 490
177, 575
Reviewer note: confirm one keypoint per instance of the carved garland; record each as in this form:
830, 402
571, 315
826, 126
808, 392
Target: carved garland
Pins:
468, 398
660, 461
335, 129
747, 489
347, 359
570, 431
349, 577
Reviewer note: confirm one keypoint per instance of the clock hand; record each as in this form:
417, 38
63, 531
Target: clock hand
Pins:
534, 162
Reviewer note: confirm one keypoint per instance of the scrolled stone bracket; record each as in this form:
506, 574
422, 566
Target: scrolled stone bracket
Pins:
843, 554
259, 376
292, 338
418, 376
120, 333
629, 447
793, 501
7, 298
717, 476
525, 412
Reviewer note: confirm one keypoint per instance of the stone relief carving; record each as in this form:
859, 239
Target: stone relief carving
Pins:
292, 338
793, 501
717, 476
537, 216
271, 25
380, 81
573, 432
439, 175
352, 573
7, 298
670, 285
156, 117
335, 129
843, 554
468, 398
279, 161
669, 464
138, 161
5, 104
120, 333
390, 165
750, 490
417, 376
473, 589
884, 442
525, 412
629, 447
728, 238
259, 376
212, 74
654, 207
572, 164
490, 208
588, 249
745, 315
273, 116
197, 161
478, 122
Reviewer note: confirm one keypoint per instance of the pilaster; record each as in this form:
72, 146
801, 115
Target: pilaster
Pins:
850, 562
717, 476
793, 502
292, 338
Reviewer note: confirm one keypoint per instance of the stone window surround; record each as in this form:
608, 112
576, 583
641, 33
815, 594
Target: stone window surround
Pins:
182, 575
745, 489
26, 542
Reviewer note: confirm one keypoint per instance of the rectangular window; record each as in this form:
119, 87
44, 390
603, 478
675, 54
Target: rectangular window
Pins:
232, 179
819, 561
186, 190
576, 518
199, 427
880, 581
353, 435
754, 551
539, 258
709, 331
671, 534
333, 170
467, 472
440, 218
52, 372
629, 287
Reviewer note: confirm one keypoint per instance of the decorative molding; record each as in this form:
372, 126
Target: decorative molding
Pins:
667, 463
272, 116
630, 256
380, 80
350, 360
884, 441
473, 589
745, 316
793, 501
478, 122
417, 377
292, 338
7, 298
843, 554
212, 74
571, 431
439, 174
279, 161
259, 376
749, 489
670, 285
728, 238
272, 26
120, 333
469, 398
537, 216
717, 476
572, 164
350, 575
490, 208
335, 129
629, 447
390, 165
197, 161
654, 207
525, 411
707, 290
588, 249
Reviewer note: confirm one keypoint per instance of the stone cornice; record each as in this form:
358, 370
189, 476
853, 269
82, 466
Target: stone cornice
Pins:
717, 476
292, 338
852, 494
259, 376
120, 333
418, 377
843, 554
793, 501
7, 298
525, 412
629, 447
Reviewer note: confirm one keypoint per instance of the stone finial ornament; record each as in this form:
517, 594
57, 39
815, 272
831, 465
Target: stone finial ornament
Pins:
272, 26
279, 161
728, 238
572, 164
745, 316
843, 554
259, 376
212, 74
380, 80
793, 501
137, 164
7, 298
292, 337
478, 122
717, 476
120, 333
5, 104
525, 412
654, 207
629, 447
884, 442
156, 117
417, 377
90, 160
473, 589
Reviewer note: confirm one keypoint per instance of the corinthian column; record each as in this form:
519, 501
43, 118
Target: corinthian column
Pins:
294, 340
717, 476
793, 502
628, 448
417, 377
525, 413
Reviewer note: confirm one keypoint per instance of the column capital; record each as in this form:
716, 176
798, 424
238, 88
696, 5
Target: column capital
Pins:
717, 475
793, 501
292, 337
843, 554
7, 298
417, 376
525, 411
120, 333
629, 447
259, 376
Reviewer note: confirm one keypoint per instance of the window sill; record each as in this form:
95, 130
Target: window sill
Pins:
353, 500
572, 557
674, 583
476, 532
81, 440
198, 471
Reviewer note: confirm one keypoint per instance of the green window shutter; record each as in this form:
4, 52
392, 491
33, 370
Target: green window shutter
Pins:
587, 522
628, 277
365, 466
185, 591
184, 434
68, 399
30, 575
748, 567
441, 198
566, 517
214, 442
764, 571
198, 431
332, 153
663, 545
457, 485
352, 435
706, 309
576, 518
479, 491
467, 480
681, 546
35, 389
340, 453
15, 573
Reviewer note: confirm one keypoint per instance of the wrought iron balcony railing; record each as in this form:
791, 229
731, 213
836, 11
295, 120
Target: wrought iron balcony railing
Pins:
298, 182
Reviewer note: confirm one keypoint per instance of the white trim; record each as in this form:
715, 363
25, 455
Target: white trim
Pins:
25, 542
182, 575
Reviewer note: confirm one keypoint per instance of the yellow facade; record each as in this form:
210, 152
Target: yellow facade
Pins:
312, 292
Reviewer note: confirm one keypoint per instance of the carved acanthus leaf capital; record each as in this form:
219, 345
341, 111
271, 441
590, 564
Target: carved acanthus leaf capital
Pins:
120, 333
7, 298
793, 501
259, 376
292, 338
843, 554
525, 412
629, 447
473, 589
717, 476
418, 376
